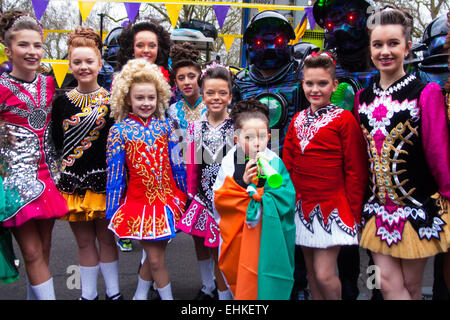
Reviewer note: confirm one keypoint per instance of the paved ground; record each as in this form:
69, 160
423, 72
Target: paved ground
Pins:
181, 263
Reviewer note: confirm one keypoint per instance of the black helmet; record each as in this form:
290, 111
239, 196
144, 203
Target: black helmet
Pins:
320, 8
278, 20
434, 35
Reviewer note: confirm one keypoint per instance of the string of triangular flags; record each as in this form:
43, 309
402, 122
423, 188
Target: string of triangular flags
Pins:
173, 7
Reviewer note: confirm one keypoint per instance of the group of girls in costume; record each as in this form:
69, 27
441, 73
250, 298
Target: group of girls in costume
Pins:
204, 167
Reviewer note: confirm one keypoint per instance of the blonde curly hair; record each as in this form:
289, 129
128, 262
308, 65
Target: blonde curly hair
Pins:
138, 71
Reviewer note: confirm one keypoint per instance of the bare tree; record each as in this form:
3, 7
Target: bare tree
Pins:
232, 25
423, 11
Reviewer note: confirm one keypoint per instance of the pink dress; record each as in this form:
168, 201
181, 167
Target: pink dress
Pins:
26, 149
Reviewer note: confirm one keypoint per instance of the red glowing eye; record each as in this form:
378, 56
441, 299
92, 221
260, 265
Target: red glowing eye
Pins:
329, 26
280, 40
351, 18
258, 42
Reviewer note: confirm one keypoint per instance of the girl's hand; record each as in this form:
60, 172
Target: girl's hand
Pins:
251, 170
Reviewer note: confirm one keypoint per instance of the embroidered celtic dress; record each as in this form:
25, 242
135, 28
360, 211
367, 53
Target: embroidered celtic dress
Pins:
181, 113
149, 205
324, 153
26, 148
206, 150
405, 214
80, 129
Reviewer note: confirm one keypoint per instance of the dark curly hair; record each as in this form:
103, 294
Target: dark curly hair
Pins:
183, 55
126, 42
8, 26
249, 109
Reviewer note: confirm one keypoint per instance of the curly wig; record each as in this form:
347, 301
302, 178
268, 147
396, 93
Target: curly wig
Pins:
126, 42
138, 71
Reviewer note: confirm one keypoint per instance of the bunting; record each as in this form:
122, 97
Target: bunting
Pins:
221, 14
300, 30
85, 8
310, 15
132, 9
228, 40
60, 69
173, 10
39, 7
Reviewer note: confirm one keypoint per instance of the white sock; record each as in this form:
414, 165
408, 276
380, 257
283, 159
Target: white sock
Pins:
166, 292
30, 293
142, 289
207, 275
225, 295
89, 277
110, 272
45, 290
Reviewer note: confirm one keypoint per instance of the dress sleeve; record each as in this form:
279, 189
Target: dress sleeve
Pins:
192, 163
356, 105
435, 136
176, 162
355, 163
117, 173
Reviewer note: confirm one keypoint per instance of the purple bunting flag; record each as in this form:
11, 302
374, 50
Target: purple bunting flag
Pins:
39, 7
132, 9
310, 15
221, 13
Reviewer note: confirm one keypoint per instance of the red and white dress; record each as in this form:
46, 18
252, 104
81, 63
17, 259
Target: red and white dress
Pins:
325, 155
26, 148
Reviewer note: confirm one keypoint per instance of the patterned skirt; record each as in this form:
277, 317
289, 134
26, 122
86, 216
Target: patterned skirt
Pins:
49, 205
318, 232
406, 233
139, 221
198, 221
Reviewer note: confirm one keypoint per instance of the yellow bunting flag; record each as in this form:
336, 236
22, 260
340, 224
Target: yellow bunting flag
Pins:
299, 31
228, 40
85, 8
60, 71
44, 35
173, 10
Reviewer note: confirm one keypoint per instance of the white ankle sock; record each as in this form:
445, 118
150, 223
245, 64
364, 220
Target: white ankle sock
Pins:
225, 295
207, 275
166, 292
30, 293
89, 277
110, 273
142, 289
45, 290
